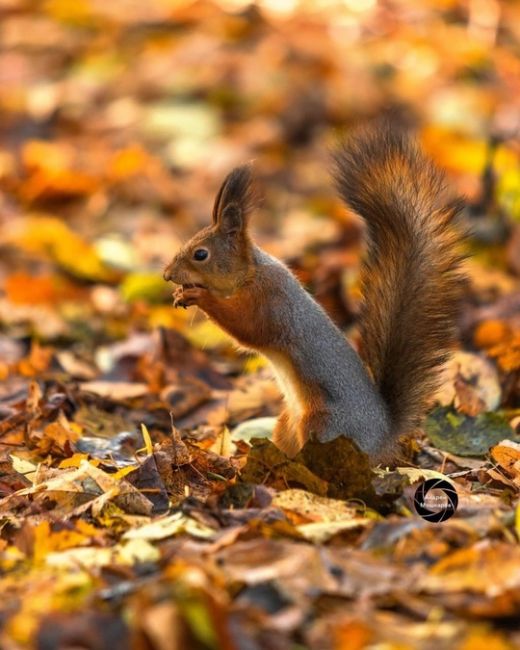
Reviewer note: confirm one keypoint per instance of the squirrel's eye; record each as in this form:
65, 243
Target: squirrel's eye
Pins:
200, 254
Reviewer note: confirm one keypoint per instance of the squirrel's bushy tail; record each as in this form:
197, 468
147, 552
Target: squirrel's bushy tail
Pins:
411, 277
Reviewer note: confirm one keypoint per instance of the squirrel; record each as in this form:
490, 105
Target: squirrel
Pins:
411, 282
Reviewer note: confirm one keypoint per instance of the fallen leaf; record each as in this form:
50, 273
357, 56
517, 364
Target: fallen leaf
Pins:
117, 390
466, 436
471, 382
169, 526
507, 455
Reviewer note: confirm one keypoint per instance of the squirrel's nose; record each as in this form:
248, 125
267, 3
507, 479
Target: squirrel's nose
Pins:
167, 273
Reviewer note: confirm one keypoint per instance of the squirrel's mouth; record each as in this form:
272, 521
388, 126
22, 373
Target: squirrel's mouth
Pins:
192, 285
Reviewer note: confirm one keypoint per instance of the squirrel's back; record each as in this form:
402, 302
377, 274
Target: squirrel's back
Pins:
411, 277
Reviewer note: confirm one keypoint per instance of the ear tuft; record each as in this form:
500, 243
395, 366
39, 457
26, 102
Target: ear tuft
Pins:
235, 200
231, 220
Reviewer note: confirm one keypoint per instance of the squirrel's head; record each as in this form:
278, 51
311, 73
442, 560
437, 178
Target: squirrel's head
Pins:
218, 257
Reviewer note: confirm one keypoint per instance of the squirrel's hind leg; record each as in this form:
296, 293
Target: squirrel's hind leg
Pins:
286, 435
290, 435
314, 425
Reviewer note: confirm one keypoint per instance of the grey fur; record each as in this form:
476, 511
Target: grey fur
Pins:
354, 406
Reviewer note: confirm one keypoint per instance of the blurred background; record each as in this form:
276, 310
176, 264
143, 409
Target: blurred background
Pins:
120, 119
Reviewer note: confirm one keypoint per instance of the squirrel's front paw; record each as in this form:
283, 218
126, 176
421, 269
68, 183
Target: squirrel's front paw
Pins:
187, 296
178, 298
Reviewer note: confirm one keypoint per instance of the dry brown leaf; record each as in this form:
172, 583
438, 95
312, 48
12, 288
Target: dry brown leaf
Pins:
507, 456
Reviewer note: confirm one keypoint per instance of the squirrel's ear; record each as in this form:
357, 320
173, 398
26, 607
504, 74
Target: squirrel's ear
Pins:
235, 200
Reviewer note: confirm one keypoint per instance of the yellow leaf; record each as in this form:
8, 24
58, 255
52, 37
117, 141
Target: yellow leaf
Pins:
255, 363
208, 335
124, 471
147, 440
165, 316
47, 541
79, 12
137, 550
52, 237
223, 445
84, 556
24, 467
75, 461
144, 286
454, 151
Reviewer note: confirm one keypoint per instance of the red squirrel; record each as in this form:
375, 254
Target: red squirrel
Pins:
411, 284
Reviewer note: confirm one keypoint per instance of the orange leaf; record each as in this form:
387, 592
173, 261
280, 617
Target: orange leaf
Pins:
37, 362
491, 333
22, 288
129, 162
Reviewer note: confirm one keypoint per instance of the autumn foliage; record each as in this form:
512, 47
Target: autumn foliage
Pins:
142, 504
